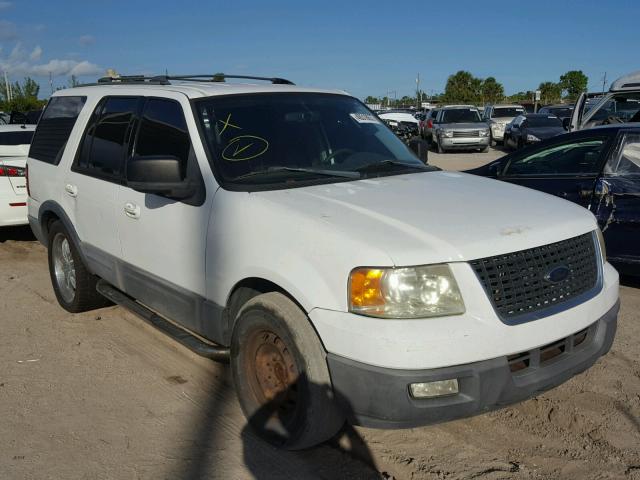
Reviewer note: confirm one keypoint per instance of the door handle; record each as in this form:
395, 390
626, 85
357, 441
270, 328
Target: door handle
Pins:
71, 190
132, 210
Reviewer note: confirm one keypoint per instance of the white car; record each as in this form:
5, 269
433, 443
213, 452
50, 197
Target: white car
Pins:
292, 231
14, 146
498, 116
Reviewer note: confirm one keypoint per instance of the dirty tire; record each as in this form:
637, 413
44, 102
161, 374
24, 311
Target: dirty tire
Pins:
83, 295
484, 150
280, 374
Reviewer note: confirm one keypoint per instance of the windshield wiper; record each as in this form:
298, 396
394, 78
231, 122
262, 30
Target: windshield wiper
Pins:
328, 173
392, 164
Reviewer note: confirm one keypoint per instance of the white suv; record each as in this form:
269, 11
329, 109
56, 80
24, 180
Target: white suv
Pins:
288, 230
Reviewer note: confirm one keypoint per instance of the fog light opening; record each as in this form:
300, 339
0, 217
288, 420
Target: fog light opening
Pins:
440, 388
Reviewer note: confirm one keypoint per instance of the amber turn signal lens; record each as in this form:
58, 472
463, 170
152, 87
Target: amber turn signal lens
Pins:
365, 289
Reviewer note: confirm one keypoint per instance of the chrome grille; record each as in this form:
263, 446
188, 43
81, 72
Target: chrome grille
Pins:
516, 284
467, 134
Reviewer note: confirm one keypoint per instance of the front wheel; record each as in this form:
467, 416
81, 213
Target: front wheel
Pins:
281, 376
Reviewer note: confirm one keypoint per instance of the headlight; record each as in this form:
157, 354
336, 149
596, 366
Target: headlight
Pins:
497, 126
393, 124
446, 133
603, 248
412, 292
483, 133
532, 138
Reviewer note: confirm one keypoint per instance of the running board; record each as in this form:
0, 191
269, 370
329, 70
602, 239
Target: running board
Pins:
193, 343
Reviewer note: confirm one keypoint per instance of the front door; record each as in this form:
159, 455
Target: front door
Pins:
566, 169
617, 203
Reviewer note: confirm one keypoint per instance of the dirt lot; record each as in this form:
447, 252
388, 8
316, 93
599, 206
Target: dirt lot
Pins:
102, 395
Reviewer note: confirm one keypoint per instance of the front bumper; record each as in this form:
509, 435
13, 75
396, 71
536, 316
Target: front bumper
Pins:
452, 143
379, 397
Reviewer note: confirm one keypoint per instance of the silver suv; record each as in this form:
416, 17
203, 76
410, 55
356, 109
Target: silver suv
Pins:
459, 127
498, 116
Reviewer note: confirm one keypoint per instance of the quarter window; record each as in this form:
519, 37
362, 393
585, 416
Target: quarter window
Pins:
54, 128
626, 160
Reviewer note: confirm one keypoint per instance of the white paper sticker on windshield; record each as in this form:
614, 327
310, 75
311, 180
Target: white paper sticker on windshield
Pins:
364, 118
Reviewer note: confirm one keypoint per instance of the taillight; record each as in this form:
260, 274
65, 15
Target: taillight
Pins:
9, 171
26, 178
430, 124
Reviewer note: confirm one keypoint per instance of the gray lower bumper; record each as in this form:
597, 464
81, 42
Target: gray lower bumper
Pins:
464, 143
379, 397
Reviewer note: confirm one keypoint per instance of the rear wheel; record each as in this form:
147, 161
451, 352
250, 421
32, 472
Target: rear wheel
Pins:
73, 284
281, 376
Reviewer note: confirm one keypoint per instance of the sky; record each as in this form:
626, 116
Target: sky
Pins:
365, 47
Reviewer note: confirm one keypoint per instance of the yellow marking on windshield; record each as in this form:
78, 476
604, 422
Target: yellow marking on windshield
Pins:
227, 123
240, 150
245, 147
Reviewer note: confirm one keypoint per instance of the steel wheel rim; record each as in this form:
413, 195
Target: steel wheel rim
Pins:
63, 267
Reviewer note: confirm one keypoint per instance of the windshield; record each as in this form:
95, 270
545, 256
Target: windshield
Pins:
549, 121
298, 137
561, 112
507, 112
460, 115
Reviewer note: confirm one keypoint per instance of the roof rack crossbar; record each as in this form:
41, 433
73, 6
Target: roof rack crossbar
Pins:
166, 79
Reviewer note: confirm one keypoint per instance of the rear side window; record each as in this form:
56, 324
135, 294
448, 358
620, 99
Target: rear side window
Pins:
16, 138
104, 146
626, 160
54, 128
163, 131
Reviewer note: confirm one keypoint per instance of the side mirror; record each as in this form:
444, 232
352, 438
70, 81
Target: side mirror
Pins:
495, 169
566, 123
160, 175
420, 148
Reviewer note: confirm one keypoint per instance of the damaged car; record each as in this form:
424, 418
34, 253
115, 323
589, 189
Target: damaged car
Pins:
597, 168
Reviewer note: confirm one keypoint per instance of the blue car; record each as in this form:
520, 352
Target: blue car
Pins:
598, 168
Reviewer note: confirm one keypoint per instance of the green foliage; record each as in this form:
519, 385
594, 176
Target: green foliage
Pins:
24, 96
372, 100
574, 83
550, 92
462, 87
491, 91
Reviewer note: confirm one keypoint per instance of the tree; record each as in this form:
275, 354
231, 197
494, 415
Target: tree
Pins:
462, 87
371, 100
491, 90
550, 92
574, 83
24, 96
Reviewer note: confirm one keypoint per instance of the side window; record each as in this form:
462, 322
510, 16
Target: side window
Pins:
54, 128
578, 158
626, 159
104, 146
163, 132
16, 138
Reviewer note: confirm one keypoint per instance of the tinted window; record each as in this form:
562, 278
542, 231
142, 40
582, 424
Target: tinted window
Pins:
460, 115
505, 112
549, 121
54, 128
569, 158
16, 138
163, 131
626, 161
105, 144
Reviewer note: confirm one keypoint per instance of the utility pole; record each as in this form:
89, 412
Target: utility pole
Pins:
7, 87
418, 93
51, 82
604, 82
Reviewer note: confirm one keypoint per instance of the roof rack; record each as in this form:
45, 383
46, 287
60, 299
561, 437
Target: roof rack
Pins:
166, 79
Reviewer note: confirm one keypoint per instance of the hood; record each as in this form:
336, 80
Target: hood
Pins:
429, 217
399, 117
544, 132
464, 126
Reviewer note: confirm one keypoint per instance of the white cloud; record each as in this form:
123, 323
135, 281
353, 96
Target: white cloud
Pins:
21, 62
8, 30
5, 5
36, 54
86, 40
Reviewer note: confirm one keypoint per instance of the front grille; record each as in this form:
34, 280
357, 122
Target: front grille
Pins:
467, 134
516, 284
410, 125
540, 357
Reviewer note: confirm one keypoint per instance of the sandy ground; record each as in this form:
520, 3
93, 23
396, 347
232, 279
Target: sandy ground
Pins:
101, 395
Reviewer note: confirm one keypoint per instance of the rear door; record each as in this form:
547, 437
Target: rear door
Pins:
567, 169
617, 200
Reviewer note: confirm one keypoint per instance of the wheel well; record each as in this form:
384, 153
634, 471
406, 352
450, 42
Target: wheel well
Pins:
48, 218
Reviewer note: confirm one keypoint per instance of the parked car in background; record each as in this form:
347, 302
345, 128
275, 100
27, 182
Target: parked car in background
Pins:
531, 128
597, 168
427, 127
459, 127
563, 112
402, 122
498, 116
14, 147
621, 104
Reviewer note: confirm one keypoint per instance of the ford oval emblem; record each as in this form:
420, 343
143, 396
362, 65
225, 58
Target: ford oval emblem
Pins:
557, 274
